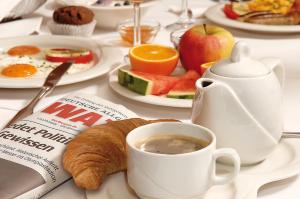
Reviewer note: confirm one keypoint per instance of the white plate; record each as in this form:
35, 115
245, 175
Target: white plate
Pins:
216, 14
104, 58
115, 14
149, 99
283, 163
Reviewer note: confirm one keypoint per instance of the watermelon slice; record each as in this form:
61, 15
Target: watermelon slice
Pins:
191, 74
185, 88
145, 83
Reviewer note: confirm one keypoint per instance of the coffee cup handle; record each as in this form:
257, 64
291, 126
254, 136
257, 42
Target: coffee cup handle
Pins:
234, 159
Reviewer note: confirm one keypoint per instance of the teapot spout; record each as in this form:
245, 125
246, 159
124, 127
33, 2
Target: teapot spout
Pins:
210, 93
205, 83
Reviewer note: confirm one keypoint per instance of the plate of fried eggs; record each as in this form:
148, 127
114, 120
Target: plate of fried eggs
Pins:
26, 61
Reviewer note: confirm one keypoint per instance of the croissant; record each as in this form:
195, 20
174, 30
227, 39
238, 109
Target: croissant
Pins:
100, 151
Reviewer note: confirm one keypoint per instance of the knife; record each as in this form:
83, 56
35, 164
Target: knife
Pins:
49, 84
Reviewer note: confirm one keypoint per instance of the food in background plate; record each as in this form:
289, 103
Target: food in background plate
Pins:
153, 59
73, 20
99, 151
204, 43
30, 61
232, 13
296, 5
267, 12
115, 3
292, 18
181, 87
78, 56
274, 6
23, 50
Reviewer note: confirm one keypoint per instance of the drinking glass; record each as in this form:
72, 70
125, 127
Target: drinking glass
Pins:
185, 19
137, 22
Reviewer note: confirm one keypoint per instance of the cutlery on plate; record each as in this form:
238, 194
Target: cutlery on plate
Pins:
49, 84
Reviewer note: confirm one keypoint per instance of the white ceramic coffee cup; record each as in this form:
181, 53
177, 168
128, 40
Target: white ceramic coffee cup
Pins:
180, 176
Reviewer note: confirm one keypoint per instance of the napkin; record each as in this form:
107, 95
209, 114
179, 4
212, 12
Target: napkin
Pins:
6, 7
20, 27
196, 12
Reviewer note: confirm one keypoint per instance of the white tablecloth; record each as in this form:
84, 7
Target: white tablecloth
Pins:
263, 45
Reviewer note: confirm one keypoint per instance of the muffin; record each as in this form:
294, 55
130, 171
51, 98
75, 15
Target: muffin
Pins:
73, 20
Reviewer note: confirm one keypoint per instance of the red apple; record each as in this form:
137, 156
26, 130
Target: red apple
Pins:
204, 43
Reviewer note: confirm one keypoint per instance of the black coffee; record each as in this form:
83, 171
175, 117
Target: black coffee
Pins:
172, 144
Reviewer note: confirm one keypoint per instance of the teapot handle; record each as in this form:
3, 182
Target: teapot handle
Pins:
277, 67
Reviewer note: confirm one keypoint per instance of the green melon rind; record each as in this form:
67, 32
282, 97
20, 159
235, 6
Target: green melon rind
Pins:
134, 82
181, 95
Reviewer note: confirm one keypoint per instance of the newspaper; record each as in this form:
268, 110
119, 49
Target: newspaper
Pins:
31, 149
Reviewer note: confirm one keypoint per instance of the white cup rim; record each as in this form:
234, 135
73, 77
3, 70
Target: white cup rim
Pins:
211, 144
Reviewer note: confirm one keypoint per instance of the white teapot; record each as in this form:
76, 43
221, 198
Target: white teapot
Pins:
240, 100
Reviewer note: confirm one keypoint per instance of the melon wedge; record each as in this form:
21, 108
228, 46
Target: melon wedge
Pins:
185, 88
145, 83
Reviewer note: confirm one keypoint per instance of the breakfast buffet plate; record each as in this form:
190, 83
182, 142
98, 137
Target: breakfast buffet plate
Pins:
108, 10
216, 15
102, 61
149, 99
283, 163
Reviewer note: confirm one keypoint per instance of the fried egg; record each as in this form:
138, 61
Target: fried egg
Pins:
19, 70
32, 64
23, 50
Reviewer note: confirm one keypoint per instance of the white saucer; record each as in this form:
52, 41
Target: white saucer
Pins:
283, 163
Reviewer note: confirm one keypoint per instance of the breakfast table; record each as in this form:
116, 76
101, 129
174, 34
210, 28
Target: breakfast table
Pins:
285, 47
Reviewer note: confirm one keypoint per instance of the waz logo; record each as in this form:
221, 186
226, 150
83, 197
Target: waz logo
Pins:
73, 113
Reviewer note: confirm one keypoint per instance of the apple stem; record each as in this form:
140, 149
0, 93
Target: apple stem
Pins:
204, 26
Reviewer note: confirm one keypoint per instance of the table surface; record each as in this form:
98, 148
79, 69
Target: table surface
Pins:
13, 99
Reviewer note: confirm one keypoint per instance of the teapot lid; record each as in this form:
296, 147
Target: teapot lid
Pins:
240, 65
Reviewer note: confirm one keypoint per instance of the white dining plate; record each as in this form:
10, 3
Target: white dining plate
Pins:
104, 59
216, 15
283, 163
149, 99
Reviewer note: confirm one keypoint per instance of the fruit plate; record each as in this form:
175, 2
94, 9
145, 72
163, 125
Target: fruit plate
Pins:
104, 59
149, 99
216, 15
283, 163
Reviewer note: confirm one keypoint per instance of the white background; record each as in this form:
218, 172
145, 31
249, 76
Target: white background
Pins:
286, 47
